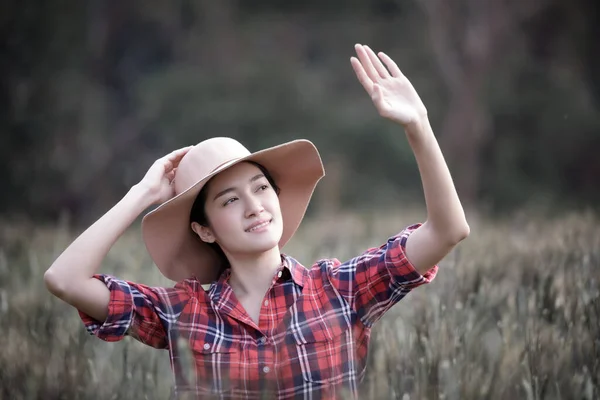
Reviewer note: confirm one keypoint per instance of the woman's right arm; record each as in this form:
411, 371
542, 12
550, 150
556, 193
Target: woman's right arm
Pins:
71, 275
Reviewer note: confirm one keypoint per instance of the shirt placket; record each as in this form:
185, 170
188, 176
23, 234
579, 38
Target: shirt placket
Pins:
267, 323
266, 370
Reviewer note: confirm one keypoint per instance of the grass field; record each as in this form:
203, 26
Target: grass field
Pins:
513, 314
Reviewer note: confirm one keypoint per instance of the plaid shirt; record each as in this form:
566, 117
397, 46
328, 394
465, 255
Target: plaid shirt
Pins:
311, 340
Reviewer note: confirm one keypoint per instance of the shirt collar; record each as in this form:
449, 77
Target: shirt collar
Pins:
295, 270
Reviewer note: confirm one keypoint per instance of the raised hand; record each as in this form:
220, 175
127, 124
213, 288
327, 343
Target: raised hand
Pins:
157, 180
392, 93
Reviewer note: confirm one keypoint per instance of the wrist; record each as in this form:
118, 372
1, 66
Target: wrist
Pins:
418, 127
142, 195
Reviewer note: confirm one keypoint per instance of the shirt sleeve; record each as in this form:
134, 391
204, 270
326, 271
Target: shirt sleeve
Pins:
142, 312
379, 278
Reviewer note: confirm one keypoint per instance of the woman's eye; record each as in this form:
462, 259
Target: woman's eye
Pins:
231, 200
263, 187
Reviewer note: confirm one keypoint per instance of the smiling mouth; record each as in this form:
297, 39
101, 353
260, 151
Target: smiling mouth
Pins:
260, 226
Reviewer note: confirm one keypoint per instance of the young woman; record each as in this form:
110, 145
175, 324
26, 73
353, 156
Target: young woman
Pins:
267, 326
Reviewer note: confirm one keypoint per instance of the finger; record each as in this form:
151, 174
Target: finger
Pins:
169, 168
171, 175
175, 156
391, 65
179, 152
171, 161
365, 81
366, 62
379, 67
182, 150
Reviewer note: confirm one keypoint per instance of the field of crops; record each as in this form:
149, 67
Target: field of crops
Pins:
513, 313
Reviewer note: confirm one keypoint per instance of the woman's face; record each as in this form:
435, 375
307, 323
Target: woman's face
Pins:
243, 212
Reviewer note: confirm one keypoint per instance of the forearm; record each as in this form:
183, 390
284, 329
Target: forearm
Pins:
445, 214
396, 99
83, 257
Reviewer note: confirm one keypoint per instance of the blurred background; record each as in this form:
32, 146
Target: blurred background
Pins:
92, 92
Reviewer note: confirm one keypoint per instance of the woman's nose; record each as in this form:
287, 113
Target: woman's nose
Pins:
253, 207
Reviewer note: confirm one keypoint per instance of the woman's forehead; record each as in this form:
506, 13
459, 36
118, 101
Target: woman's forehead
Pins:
234, 176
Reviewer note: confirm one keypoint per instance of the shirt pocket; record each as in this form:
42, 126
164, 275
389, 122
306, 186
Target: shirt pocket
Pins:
319, 351
211, 366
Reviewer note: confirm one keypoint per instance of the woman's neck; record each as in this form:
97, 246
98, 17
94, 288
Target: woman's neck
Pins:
253, 275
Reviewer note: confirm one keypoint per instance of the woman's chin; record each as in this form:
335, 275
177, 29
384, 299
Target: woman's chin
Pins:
264, 245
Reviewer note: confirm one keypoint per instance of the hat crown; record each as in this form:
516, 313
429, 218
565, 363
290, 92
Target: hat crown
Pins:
206, 157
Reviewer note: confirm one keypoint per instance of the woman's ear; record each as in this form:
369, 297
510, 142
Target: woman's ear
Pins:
204, 232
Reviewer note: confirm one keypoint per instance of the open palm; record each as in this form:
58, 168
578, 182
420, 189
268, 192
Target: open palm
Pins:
392, 93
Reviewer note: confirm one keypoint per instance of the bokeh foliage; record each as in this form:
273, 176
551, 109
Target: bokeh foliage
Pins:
92, 92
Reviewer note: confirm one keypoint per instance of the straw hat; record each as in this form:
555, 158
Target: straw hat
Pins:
176, 250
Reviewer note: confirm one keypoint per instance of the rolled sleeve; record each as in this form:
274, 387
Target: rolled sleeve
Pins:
400, 268
379, 278
142, 312
120, 312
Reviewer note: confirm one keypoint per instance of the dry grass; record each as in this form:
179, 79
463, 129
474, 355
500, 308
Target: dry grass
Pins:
514, 313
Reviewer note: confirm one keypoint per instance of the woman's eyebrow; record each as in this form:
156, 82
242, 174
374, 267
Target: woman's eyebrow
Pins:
231, 189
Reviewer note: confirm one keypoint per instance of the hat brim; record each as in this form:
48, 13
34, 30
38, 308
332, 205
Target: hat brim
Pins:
179, 254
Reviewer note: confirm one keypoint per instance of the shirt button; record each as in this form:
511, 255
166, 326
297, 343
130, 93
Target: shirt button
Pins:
266, 302
266, 370
261, 340
279, 274
206, 346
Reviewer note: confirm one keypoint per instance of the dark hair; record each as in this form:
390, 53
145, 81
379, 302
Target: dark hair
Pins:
198, 212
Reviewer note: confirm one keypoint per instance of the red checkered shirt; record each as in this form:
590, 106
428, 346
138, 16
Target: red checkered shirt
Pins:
311, 340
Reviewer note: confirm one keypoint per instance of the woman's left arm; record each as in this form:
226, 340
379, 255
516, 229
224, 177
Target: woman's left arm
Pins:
396, 99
